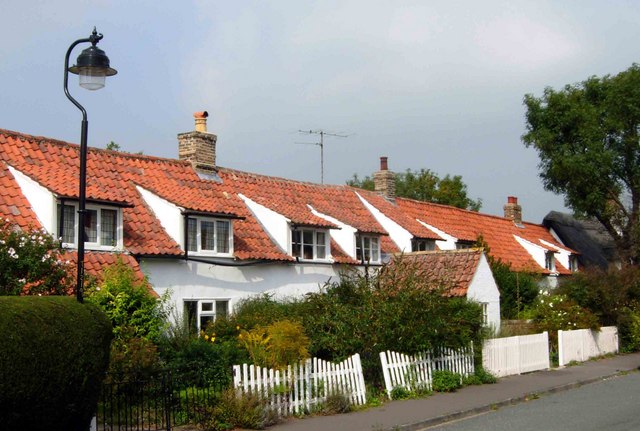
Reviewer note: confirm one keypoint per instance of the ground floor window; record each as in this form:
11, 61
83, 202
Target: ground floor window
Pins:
485, 313
198, 313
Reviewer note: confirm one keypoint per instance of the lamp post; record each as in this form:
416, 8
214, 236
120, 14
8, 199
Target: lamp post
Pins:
92, 67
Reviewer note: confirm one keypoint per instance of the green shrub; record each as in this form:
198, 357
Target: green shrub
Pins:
336, 404
446, 381
485, 376
127, 300
280, 344
230, 410
54, 354
400, 393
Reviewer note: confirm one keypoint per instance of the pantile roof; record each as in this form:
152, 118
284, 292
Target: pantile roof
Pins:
450, 270
115, 177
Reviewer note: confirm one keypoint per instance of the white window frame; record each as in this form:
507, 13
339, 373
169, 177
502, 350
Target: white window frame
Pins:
200, 312
315, 244
485, 313
205, 252
573, 263
425, 244
360, 244
96, 245
550, 260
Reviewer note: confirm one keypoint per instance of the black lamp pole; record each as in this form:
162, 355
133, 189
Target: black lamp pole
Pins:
92, 67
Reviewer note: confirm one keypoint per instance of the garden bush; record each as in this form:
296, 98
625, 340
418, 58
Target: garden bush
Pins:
446, 381
54, 354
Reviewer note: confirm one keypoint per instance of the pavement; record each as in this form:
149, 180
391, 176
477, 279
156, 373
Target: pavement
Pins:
419, 414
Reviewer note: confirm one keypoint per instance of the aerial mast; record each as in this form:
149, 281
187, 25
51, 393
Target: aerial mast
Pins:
322, 134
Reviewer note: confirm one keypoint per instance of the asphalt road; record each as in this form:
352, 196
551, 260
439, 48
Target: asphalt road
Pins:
612, 405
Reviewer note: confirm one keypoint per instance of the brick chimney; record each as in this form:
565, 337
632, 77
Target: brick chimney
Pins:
385, 180
199, 146
512, 210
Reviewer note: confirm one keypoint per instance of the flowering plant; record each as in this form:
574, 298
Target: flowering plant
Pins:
31, 262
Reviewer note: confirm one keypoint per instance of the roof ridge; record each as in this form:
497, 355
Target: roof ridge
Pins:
464, 210
59, 142
278, 179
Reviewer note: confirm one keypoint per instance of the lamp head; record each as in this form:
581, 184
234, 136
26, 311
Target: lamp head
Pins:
92, 65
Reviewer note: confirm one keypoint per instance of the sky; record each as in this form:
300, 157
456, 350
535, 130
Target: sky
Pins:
429, 84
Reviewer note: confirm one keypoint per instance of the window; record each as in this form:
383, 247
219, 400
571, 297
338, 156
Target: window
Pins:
423, 245
368, 248
461, 245
549, 261
209, 236
309, 244
198, 313
485, 313
102, 226
573, 263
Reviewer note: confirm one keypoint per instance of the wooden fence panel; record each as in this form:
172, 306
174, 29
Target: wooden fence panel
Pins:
412, 372
583, 344
516, 355
300, 387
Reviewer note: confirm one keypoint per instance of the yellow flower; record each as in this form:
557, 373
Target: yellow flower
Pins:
206, 337
237, 327
213, 339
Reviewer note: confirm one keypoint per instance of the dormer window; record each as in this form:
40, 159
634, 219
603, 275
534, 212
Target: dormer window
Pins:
423, 245
102, 226
309, 244
368, 248
209, 236
463, 245
550, 261
573, 263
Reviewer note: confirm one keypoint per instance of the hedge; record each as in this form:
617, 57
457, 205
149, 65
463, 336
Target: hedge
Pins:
54, 352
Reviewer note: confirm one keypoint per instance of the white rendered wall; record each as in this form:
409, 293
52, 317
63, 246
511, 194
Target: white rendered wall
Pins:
483, 288
345, 236
538, 253
42, 201
170, 215
449, 242
397, 233
276, 225
188, 279
562, 256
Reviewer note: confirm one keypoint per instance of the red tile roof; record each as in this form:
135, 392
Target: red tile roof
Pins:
115, 176
451, 270
498, 232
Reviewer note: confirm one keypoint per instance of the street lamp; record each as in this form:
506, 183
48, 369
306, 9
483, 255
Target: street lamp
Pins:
92, 67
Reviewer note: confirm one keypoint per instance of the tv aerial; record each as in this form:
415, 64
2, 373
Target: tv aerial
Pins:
320, 144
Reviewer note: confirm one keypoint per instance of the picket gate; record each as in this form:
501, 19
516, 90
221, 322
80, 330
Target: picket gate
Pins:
516, 355
299, 387
416, 371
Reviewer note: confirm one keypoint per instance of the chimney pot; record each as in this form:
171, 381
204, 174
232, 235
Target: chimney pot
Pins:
384, 166
512, 199
201, 121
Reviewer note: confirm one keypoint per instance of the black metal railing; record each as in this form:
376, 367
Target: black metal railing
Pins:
159, 400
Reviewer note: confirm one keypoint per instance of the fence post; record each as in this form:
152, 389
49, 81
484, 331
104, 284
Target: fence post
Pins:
560, 349
168, 403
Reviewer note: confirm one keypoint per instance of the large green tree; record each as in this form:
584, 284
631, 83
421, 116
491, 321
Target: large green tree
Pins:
586, 135
425, 185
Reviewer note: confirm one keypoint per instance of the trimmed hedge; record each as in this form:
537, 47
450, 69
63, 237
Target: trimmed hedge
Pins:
54, 352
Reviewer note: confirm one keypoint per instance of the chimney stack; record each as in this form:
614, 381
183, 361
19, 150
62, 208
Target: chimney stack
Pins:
385, 180
199, 146
512, 210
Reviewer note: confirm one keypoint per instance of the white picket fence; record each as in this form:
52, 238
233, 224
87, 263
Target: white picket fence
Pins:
300, 387
516, 355
416, 371
582, 344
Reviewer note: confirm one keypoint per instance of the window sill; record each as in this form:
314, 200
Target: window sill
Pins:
209, 254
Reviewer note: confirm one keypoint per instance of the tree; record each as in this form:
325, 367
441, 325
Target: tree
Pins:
425, 185
113, 146
31, 262
586, 136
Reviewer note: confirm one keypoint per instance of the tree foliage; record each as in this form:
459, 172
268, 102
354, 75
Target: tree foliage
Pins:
31, 262
425, 185
586, 136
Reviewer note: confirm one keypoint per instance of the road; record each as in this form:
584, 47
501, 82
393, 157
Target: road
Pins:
612, 405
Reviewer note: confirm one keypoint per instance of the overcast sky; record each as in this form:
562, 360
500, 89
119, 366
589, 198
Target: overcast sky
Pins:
430, 84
